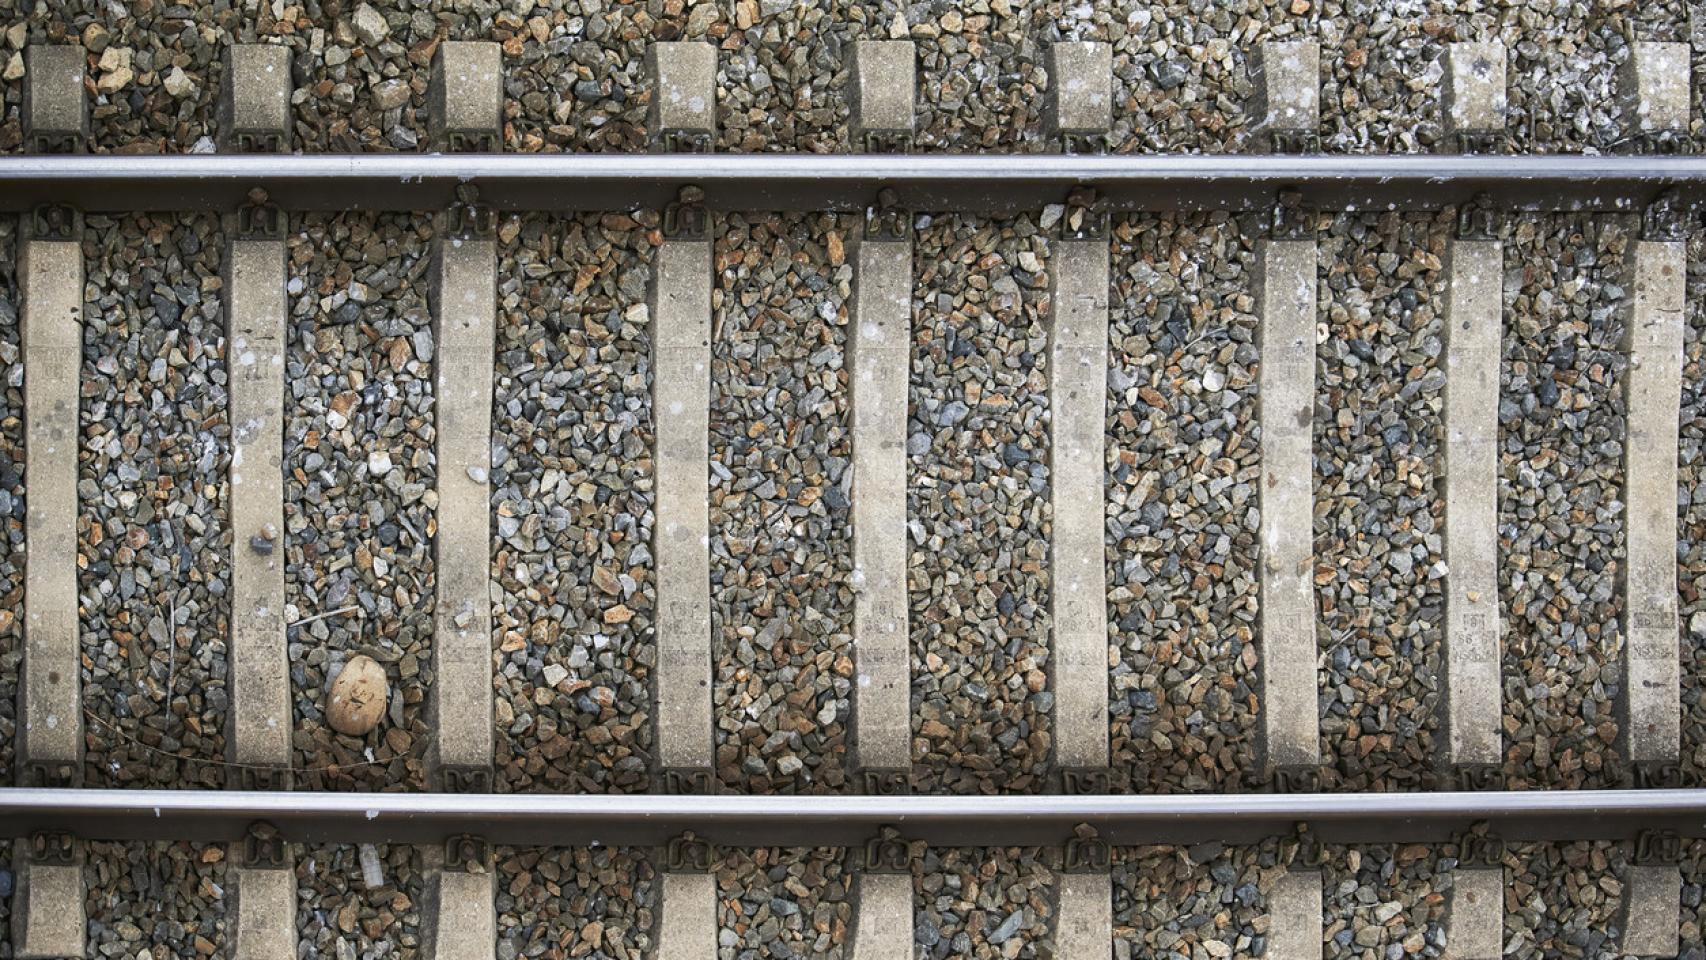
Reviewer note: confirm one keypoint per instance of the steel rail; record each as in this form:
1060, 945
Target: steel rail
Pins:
979, 183
842, 821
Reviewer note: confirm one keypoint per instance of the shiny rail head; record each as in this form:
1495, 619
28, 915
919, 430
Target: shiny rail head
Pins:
649, 820
969, 183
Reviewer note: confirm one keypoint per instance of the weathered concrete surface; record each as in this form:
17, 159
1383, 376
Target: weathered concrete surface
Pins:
883, 87
465, 311
55, 112
1473, 99
1294, 930
681, 394
466, 106
1286, 399
266, 914
684, 88
1654, 84
1475, 915
1078, 390
1474, 313
879, 353
48, 913
1653, 387
1652, 910
883, 921
51, 726
466, 925
1287, 75
260, 663
1080, 87
687, 929
256, 105
1086, 926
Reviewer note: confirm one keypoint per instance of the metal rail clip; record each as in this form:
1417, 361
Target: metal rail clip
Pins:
888, 852
688, 852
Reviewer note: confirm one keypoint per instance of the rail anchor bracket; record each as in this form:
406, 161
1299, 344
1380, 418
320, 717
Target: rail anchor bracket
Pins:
888, 852
1302, 848
887, 220
56, 221
260, 219
1479, 846
263, 847
53, 847
1657, 776
686, 219
884, 782
1658, 848
688, 852
1085, 218
467, 853
1087, 853
1479, 219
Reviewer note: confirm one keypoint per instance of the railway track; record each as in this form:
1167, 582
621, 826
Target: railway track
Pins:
496, 538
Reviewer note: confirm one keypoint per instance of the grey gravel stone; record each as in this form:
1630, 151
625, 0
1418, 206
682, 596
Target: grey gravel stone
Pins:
783, 903
978, 576
12, 552
1692, 930
572, 502
1168, 905
157, 69
781, 555
1563, 899
575, 77
337, 914
596, 902
783, 77
1378, 511
1561, 427
984, 902
154, 453
1181, 547
1382, 902
156, 900
980, 76
1691, 519
355, 387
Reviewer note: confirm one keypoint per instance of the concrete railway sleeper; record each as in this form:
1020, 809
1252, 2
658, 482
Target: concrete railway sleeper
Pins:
1284, 297
1138, 555
901, 329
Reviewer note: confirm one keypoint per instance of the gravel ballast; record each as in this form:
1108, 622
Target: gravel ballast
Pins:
1379, 510
359, 488
1186, 903
153, 900
339, 915
1561, 430
781, 538
1691, 519
597, 902
12, 555
782, 903
152, 531
1383, 903
982, 902
572, 505
1183, 463
1563, 900
978, 506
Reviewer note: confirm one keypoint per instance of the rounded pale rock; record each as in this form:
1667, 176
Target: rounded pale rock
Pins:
358, 697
